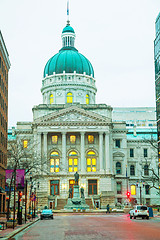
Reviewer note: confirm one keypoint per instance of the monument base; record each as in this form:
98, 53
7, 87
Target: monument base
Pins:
76, 202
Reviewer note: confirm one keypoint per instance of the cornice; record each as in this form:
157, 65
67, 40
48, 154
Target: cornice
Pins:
71, 124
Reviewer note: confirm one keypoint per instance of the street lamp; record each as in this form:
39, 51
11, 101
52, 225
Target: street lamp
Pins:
33, 196
140, 185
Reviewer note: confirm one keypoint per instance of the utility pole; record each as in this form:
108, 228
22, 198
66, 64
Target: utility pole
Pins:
26, 202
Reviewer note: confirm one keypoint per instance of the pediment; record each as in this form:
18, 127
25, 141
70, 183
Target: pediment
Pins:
71, 115
118, 154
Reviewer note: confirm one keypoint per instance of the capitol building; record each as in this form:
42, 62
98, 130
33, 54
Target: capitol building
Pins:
109, 147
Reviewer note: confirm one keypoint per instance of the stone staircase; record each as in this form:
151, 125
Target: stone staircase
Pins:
89, 203
61, 203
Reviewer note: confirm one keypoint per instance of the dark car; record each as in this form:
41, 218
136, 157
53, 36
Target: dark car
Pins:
46, 213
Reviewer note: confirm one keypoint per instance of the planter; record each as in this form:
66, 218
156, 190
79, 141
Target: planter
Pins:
9, 224
83, 210
74, 210
79, 210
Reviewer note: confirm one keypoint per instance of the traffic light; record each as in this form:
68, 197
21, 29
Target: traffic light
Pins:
20, 196
128, 195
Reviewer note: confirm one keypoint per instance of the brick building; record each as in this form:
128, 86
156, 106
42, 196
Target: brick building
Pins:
4, 68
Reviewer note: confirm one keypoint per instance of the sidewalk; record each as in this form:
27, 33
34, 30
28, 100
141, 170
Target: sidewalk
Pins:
9, 232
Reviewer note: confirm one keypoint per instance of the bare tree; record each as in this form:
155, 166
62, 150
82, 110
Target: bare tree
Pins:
152, 178
20, 157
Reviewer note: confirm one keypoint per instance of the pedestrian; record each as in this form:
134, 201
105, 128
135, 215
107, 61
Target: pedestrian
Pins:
108, 209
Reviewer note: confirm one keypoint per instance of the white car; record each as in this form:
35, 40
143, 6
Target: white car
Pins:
139, 211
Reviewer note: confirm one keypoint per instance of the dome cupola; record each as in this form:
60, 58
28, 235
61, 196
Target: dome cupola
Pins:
66, 72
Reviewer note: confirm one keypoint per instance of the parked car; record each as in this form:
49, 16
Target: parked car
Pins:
46, 213
139, 211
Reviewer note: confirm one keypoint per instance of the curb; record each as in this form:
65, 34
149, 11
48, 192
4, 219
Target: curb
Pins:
9, 236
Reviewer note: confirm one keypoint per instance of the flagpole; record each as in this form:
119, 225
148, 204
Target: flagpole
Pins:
68, 11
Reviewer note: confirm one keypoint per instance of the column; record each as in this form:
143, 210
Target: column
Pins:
45, 157
101, 151
64, 159
39, 150
107, 154
83, 162
45, 144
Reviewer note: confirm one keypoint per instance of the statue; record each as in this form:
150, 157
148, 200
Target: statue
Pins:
70, 192
82, 192
76, 175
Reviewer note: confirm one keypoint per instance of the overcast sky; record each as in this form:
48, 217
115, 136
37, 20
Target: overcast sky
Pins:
117, 36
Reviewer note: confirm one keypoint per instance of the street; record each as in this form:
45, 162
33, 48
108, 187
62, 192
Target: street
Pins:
86, 227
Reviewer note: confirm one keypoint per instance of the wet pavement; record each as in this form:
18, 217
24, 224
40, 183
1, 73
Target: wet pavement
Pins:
87, 227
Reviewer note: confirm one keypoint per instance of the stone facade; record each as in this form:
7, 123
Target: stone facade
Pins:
70, 132
78, 121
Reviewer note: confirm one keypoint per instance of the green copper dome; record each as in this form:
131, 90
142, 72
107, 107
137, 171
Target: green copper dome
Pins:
68, 28
69, 60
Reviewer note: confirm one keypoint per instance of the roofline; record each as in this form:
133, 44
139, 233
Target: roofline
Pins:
4, 51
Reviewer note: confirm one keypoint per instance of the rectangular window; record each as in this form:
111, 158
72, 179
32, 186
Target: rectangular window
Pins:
54, 139
54, 165
92, 187
117, 143
147, 201
73, 139
119, 188
145, 152
147, 190
54, 187
73, 164
133, 190
91, 164
90, 139
131, 152
25, 144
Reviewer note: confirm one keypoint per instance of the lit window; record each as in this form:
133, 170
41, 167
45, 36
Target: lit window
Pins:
51, 99
90, 139
69, 98
91, 162
54, 162
25, 144
73, 162
72, 139
87, 99
133, 190
54, 139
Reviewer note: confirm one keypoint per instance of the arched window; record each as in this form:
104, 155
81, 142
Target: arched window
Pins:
73, 161
54, 162
87, 99
133, 190
146, 170
51, 99
69, 97
132, 170
91, 161
118, 168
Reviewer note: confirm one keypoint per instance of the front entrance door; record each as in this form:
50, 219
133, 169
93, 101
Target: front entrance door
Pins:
71, 184
52, 204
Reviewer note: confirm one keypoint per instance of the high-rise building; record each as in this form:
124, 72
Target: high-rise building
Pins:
4, 68
157, 78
